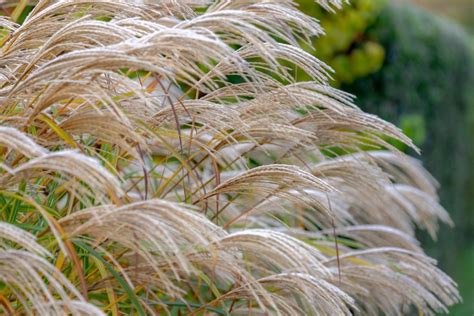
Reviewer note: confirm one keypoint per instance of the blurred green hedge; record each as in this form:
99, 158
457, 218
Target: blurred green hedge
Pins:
417, 71
422, 79
426, 86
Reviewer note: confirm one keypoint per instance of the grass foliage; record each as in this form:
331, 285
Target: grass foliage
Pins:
160, 158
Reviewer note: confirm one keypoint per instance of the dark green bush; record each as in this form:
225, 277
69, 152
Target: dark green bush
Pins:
426, 87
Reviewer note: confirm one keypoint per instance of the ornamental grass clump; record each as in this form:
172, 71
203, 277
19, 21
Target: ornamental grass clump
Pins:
158, 157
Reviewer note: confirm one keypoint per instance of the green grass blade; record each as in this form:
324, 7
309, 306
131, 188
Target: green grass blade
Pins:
116, 275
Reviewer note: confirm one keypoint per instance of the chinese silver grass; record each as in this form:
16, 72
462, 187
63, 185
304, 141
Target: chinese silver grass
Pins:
165, 159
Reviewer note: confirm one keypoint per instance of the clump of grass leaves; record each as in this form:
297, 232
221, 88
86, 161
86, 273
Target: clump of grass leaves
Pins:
158, 157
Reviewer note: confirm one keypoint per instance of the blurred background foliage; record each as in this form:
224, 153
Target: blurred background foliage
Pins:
460, 10
416, 69
345, 47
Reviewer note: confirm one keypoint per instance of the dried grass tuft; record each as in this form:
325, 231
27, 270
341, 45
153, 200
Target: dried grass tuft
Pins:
157, 157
